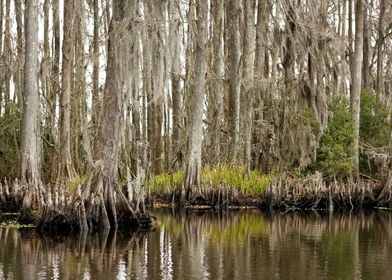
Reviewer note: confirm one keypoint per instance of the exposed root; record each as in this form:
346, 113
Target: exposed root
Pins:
314, 192
102, 205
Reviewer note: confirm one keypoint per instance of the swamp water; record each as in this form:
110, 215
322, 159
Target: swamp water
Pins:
207, 245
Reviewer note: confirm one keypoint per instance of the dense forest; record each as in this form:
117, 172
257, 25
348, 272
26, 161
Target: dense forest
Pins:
104, 102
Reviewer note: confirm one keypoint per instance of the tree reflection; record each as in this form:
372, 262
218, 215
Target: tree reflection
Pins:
209, 245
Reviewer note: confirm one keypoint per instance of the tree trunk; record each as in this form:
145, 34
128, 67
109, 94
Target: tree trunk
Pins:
217, 89
248, 89
1, 54
105, 191
20, 48
66, 169
260, 151
7, 59
29, 158
193, 167
176, 147
1, 24
350, 32
234, 76
155, 86
380, 54
47, 92
78, 95
356, 75
366, 49
55, 91
96, 106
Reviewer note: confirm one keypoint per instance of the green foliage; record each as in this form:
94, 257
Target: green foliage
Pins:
311, 120
374, 126
232, 176
374, 130
334, 153
9, 142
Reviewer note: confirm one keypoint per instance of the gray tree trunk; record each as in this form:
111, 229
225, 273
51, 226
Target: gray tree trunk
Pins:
7, 57
261, 72
380, 54
356, 75
96, 92
176, 147
366, 49
217, 89
234, 75
29, 158
105, 172
20, 48
66, 169
248, 89
193, 167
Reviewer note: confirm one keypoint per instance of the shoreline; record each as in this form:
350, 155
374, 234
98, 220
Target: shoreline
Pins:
284, 194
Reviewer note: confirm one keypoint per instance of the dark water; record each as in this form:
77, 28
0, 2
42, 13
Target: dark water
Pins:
206, 245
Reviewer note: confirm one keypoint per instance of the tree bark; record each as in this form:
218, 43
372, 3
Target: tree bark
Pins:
105, 173
217, 88
1, 54
55, 92
78, 95
356, 80
234, 76
193, 167
366, 50
261, 72
7, 57
29, 158
176, 147
350, 31
95, 58
20, 49
155, 89
66, 169
248, 89
380, 53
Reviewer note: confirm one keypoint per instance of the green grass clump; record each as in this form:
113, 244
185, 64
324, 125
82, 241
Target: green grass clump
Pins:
73, 183
236, 176
15, 224
165, 182
232, 176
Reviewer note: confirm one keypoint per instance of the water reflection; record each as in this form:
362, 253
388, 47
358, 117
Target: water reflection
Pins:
207, 245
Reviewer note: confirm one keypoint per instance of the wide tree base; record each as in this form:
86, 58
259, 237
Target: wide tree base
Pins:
99, 206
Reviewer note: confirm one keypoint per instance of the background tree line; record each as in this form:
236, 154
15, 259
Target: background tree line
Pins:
299, 85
